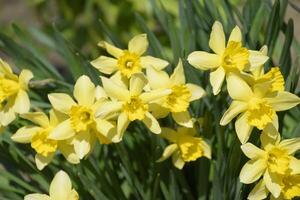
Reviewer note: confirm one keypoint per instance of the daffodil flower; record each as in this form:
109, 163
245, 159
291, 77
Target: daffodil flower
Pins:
13, 93
179, 100
289, 184
60, 189
185, 146
131, 104
38, 137
81, 126
127, 62
256, 105
229, 58
274, 159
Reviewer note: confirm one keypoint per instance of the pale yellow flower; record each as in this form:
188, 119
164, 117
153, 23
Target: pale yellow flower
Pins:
230, 58
60, 189
179, 100
130, 61
13, 93
131, 103
274, 159
38, 137
256, 105
185, 146
81, 126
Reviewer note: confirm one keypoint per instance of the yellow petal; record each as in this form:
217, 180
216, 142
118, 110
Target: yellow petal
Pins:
138, 44
63, 131
269, 136
42, 161
216, 79
206, 149
137, 83
203, 60
252, 151
291, 145
217, 38
169, 150
294, 165
283, 101
61, 102
243, 129
122, 125
22, 102
24, 134
84, 91
112, 50
61, 186
237, 88
106, 65
256, 59
100, 93
82, 144
104, 127
56, 117
177, 160
259, 192
196, 91
169, 134
234, 109
37, 197
155, 95
178, 77
157, 79
272, 184
252, 171
24, 78
114, 90
152, 123
108, 108
156, 63
158, 111
68, 152
235, 35
183, 119
7, 116
38, 118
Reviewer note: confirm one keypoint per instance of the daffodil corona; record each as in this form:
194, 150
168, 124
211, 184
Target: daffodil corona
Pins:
60, 189
185, 146
127, 62
178, 101
230, 58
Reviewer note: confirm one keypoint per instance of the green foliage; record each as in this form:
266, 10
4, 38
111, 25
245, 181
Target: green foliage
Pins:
128, 170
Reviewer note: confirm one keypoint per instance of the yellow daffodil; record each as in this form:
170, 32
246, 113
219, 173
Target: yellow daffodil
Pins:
289, 184
38, 137
130, 61
179, 100
257, 105
230, 58
13, 93
274, 159
60, 189
131, 104
81, 126
185, 146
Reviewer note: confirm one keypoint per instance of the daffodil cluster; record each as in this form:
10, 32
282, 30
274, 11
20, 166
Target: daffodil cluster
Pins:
256, 96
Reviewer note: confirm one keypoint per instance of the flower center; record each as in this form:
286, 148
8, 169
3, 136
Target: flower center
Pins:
276, 79
8, 88
135, 108
179, 99
190, 148
129, 63
81, 118
235, 57
291, 186
260, 113
41, 144
278, 160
